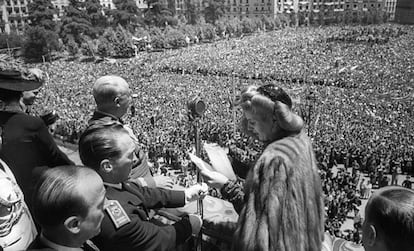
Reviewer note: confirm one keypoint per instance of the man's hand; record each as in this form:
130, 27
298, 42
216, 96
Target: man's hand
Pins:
162, 181
196, 192
214, 179
196, 223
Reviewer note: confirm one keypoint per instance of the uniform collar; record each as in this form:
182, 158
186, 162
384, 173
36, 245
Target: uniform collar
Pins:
99, 114
117, 186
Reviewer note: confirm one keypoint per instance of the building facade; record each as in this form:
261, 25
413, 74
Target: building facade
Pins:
270, 8
179, 7
106, 4
14, 15
404, 12
390, 6
60, 7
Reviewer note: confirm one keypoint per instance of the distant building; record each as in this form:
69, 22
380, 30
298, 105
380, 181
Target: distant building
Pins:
14, 15
109, 4
179, 7
142, 4
270, 8
390, 6
106, 4
60, 7
404, 12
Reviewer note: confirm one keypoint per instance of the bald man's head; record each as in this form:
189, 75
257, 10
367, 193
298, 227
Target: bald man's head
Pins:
112, 95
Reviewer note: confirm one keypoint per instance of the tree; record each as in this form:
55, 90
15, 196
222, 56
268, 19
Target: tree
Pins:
215, 10
41, 14
10, 40
76, 23
158, 14
41, 37
96, 14
126, 13
39, 42
348, 17
191, 13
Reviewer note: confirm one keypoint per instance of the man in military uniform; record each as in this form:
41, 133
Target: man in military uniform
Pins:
113, 99
68, 204
109, 150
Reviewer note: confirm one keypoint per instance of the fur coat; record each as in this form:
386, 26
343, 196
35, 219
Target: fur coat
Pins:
283, 201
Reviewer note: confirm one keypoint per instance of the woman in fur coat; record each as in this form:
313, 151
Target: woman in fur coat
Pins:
280, 205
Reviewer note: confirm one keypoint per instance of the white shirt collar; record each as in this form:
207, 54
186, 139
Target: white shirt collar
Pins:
117, 186
57, 246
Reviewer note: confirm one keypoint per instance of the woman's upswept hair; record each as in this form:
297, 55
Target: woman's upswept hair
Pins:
391, 211
269, 100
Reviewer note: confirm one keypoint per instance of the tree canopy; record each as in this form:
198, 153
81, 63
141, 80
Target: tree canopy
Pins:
41, 14
214, 10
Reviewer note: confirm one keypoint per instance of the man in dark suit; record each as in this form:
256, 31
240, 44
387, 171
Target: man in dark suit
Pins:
26, 141
68, 204
109, 150
113, 100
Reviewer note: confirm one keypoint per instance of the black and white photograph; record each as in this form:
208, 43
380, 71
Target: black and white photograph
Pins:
207, 125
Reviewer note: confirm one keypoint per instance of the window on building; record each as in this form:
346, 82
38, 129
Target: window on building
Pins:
241, 1
379, 5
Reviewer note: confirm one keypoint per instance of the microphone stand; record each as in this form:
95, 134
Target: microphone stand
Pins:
195, 124
196, 109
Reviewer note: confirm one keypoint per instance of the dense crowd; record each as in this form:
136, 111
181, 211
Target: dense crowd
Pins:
357, 98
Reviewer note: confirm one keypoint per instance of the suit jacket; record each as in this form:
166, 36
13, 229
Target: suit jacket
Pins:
38, 244
27, 144
141, 233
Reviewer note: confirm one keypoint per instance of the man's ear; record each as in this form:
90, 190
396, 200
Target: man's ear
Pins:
72, 224
117, 101
105, 166
372, 235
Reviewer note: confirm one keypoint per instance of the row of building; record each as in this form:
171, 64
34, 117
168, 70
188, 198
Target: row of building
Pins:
14, 13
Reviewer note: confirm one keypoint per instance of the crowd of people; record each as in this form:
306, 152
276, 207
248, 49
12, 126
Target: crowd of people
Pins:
357, 99
357, 116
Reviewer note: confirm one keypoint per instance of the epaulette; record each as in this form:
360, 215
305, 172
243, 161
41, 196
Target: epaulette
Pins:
117, 214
